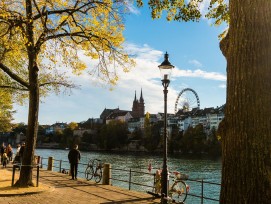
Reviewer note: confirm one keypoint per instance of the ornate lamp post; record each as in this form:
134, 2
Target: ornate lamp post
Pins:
165, 69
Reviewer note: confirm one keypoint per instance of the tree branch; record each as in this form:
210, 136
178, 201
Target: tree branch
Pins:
67, 85
224, 45
13, 76
13, 87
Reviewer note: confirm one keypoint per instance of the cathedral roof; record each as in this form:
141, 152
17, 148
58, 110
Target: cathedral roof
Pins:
106, 112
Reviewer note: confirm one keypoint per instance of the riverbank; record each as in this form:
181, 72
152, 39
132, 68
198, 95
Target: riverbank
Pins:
7, 190
205, 169
62, 190
142, 153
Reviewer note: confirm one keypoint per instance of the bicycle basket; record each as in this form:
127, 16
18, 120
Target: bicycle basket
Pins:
182, 176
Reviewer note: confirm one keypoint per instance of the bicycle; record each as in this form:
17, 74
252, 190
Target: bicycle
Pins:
177, 192
94, 169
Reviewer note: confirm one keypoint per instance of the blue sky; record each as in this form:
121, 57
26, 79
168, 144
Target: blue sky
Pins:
193, 49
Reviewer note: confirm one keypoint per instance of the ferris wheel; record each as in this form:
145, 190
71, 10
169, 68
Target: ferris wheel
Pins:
187, 100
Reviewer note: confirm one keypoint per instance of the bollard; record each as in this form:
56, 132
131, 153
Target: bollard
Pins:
107, 174
50, 163
13, 175
130, 179
36, 159
38, 175
60, 162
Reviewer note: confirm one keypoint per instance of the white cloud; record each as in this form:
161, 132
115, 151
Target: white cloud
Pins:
195, 63
204, 7
144, 52
199, 74
91, 99
131, 8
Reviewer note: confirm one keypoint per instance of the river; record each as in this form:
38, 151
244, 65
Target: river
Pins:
204, 168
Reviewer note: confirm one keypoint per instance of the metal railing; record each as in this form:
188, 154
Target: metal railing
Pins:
130, 181
19, 165
202, 197
58, 164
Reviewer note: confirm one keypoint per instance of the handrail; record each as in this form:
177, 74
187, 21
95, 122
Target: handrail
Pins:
202, 197
130, 182
20, 165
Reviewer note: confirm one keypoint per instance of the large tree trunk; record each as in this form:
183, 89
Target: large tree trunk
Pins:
246, 142
32, 128
32, 131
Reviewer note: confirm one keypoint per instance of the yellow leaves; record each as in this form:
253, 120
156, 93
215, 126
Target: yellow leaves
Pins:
5, 110
94, 29
93, 55
73, 125
4, 15
114, 80
78, 67
63, 18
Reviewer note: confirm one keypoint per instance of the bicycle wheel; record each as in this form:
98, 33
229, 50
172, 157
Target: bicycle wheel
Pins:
178, 191
98, 174
89, 173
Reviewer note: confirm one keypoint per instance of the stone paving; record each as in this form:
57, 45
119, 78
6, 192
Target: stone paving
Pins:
57, 188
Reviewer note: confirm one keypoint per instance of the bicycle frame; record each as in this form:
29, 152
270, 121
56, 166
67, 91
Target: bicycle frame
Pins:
177, 192
94, 169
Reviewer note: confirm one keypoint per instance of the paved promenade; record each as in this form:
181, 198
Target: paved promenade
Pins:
57, 188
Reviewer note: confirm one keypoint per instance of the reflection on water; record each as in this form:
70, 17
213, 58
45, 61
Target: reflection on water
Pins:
203, 168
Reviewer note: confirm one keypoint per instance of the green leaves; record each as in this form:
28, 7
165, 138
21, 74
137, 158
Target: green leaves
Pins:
192, 10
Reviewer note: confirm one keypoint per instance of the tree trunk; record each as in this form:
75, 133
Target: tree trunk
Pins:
246, 142
32, 131
32, 127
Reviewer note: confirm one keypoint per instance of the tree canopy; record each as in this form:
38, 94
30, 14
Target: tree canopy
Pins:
40, 41
5, 111
60, 33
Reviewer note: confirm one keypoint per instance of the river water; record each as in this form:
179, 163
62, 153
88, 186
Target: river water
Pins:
207, 169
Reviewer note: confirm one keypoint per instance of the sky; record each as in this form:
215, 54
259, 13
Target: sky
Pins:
193, 49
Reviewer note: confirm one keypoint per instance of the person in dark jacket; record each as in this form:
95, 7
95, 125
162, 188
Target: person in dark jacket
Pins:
74, 158
2, 152
21, 152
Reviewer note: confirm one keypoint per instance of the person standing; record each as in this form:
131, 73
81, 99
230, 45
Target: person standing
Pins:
5, 159
2, 150
74, 157
21, 152
9, 153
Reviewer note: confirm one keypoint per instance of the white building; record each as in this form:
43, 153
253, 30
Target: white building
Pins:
122, 116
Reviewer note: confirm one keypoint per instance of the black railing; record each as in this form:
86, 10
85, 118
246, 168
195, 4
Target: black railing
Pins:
19, 165
59, 166
130, 181
202, 197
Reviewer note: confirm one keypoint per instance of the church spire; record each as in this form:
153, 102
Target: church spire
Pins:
135, 96
141, 97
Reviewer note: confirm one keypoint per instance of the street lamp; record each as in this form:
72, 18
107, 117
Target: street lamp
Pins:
165, 70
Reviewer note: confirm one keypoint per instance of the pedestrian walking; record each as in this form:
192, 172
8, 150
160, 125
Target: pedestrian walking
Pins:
74, 157
9, 153
5, 159
2, 150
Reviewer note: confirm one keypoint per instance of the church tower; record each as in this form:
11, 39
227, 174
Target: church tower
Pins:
138, 109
